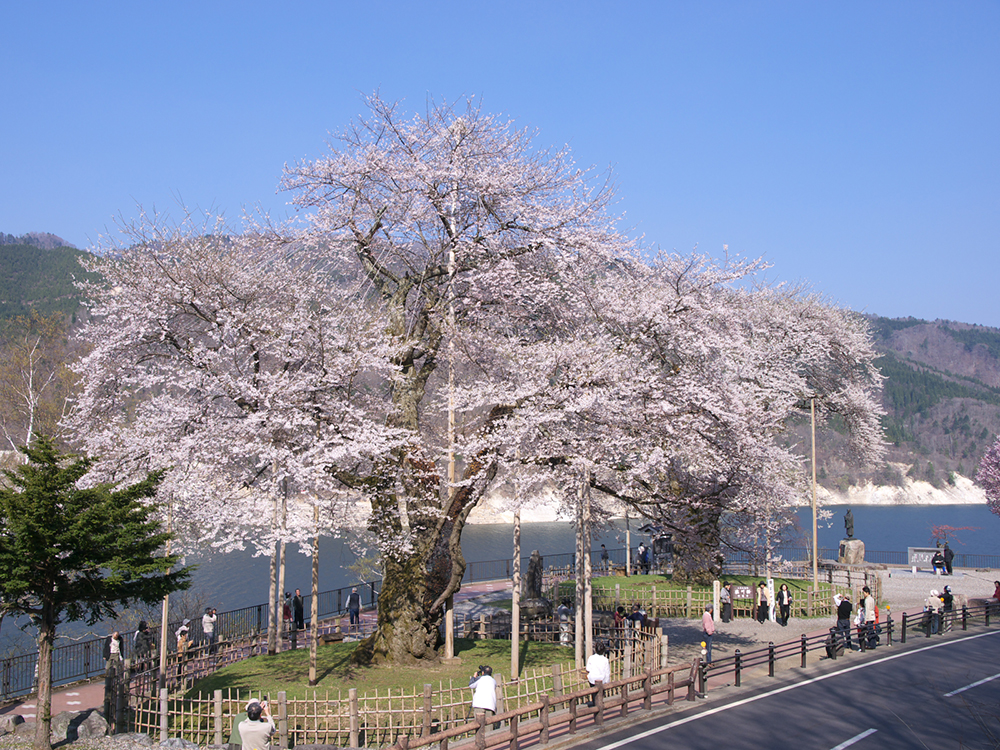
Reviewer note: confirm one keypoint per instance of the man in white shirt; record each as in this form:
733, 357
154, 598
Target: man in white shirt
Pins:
484, 697
598, 667
208, 628
256, 729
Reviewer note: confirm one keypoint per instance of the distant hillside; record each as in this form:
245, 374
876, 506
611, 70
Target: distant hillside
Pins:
33, 277
942, 398
44, 240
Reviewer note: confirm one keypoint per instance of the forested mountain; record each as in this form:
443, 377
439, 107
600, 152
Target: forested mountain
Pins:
942, 398
35, 277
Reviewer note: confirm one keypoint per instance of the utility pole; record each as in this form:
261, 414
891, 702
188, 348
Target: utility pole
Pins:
815, 550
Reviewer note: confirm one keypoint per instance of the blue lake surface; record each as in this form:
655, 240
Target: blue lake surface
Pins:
239, 580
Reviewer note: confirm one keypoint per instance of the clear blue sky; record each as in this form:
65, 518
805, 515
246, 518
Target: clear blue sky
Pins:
855, 145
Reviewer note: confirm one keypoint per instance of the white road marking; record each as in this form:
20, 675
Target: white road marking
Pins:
969, 687
73, 703
786, 688
72, 693
856, 738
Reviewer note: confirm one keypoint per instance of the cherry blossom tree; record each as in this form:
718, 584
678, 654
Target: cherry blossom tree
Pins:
988, 476
464, 230
458, 306
232, 361
680, 388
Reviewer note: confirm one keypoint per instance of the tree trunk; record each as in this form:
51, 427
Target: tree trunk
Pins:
43, 722
314, 605
414, 589
272, 608
697, 558
280, 625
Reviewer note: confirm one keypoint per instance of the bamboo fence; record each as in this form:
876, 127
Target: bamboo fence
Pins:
356, 719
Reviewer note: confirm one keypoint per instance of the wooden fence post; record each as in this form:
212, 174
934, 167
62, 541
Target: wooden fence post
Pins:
544, 716
557, 683
217, 700
689, 601
282, 719
618, 595
163, 714
629, 638
481, 732
355, 719
810, 595
425, 729
500, 693
664, 645
624, 709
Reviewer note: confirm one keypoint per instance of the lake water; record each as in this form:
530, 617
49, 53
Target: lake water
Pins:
235, 581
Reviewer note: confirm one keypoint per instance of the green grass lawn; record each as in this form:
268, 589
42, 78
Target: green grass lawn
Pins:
289, 670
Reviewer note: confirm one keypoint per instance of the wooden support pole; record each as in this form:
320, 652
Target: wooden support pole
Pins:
355, 718
217, 705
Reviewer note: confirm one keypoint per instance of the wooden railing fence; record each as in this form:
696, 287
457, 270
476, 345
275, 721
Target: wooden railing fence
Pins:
336, 718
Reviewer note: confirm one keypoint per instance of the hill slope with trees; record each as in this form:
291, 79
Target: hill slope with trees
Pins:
35, 276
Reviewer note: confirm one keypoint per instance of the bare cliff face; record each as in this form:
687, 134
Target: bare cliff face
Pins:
911, 492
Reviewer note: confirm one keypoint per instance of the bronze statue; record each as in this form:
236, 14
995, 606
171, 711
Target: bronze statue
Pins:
849, 523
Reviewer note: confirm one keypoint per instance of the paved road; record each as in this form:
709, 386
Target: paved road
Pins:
941, 696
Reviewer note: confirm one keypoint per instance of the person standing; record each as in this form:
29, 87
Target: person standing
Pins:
298, 610
256, 729
949, 558
208, 628
868, 604
937, 561
708, 630
286, 611
113, 653
605, 559
354, 607
142, 644
183, 634
598, 668
948, 609
763, 605
844, 609
484, 695
726, 599
932, 615
784, 604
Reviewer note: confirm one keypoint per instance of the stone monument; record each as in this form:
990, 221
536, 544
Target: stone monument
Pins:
852, 551
535, 605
